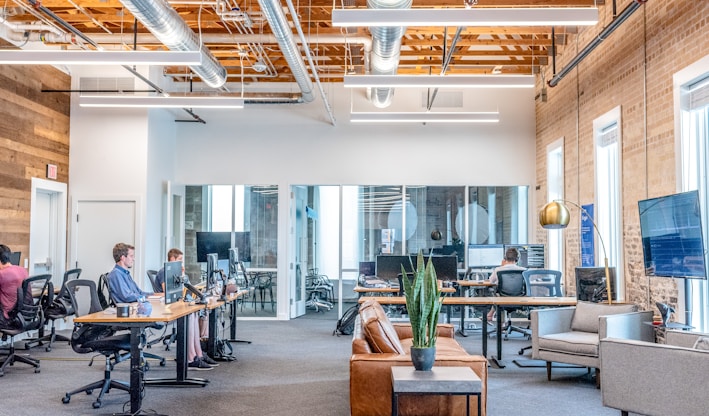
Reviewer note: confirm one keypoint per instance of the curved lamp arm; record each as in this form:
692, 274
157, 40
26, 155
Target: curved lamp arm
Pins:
555, 215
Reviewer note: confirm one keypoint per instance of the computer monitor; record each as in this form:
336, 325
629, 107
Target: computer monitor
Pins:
233, 261
367, 268
485, 255
389, 267
531, 256
212, 269
446, 266
15, 258
173, 281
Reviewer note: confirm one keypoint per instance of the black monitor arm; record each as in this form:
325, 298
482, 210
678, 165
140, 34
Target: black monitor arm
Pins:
199, 296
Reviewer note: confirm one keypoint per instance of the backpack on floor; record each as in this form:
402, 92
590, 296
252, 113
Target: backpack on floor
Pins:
345, 325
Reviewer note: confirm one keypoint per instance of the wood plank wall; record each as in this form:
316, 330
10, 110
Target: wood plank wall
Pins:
34, 132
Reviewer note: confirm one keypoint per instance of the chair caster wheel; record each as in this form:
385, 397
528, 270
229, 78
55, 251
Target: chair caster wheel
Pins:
96, 404
89, 391
66, 399
48, 349
36, 370
163, 363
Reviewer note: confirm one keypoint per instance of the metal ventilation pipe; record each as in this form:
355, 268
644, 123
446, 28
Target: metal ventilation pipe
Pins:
622, 17
386, 46
281, 30
164, 22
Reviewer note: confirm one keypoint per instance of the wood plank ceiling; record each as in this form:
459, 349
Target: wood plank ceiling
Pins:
240, 37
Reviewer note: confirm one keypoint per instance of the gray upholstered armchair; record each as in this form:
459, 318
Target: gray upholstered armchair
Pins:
656, 379
572, 335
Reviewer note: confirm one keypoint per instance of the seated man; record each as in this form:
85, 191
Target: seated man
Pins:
196, 359
508, 263
11, 278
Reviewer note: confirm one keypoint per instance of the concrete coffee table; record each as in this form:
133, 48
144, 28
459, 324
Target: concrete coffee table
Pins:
440, 380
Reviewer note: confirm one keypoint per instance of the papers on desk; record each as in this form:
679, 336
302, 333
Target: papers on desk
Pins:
375, 283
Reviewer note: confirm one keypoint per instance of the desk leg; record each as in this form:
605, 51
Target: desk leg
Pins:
498, 360
212, 328
136, 370
232, 328
484, 321
394, 403
181, 378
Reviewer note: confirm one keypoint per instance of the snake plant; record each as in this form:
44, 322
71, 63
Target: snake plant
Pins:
423, 302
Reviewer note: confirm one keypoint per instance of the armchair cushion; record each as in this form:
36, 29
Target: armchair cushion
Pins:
585, 318
378, 330
574, 342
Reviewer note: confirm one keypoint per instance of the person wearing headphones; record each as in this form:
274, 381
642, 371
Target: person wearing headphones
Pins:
509, 262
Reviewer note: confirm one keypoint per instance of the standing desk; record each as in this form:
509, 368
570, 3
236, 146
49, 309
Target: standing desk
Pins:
485, 302
137, 324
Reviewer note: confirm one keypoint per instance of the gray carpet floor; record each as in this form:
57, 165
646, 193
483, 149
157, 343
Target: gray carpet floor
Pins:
291, 368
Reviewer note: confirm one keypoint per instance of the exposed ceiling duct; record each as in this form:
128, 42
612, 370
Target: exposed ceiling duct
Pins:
386, 47
164, 22
281, 30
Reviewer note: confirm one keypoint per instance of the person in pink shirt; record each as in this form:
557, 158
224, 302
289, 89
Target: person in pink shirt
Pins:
11, 278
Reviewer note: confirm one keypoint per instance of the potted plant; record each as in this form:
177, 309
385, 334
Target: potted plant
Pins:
423, 303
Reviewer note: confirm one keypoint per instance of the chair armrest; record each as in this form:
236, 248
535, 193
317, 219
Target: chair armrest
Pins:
683, 338
551, 321
653, 379
627, 326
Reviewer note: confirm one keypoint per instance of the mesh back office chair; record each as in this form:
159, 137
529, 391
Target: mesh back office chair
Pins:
544, 283
59, 309
88, 338
27, 315
152, 275
511, 283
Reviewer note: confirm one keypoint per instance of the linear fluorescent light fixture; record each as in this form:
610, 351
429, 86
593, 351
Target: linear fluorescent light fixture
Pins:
517, 16
56, 57
172, 101
430, 117
439, 81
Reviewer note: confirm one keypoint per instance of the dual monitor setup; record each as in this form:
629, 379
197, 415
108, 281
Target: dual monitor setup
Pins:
175, 282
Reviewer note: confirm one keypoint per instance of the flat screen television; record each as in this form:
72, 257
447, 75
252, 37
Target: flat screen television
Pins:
485, 255
531, 256
173, 281
672, 236
213, 242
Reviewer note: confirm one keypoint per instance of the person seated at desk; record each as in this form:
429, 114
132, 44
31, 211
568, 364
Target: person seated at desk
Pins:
11, 278
509, 262
124, 290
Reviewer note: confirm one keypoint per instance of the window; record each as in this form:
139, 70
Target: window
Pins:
694, 157
555, 190
607, 133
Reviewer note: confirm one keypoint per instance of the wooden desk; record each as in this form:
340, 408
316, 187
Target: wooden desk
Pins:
485, 302
161, 313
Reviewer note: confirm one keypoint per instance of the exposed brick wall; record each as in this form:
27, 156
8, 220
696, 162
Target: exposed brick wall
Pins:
633, 69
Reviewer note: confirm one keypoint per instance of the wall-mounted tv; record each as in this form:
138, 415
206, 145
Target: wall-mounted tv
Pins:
213, 242
672, 237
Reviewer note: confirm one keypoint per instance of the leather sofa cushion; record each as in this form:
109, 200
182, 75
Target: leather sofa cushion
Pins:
574, 342
586, 316
378, 330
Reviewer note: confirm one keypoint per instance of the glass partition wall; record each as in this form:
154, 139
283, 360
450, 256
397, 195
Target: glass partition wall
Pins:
249, 213
334, 230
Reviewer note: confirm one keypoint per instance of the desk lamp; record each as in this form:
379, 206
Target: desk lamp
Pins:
555, 215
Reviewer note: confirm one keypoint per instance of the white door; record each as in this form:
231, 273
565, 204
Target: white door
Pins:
48, 229
98, 226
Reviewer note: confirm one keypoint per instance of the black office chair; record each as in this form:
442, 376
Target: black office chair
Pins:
543, 283
88, 338
60, 308
511, 283
27, 315
152, 274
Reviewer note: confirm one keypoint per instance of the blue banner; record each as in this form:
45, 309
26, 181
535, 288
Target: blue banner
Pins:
588, 250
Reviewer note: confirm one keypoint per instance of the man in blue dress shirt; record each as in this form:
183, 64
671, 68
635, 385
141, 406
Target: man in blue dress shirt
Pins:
120, 283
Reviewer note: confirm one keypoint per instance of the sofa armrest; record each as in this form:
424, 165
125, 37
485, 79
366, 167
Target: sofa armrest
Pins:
683, 338
630, 325
653, 379
551, 320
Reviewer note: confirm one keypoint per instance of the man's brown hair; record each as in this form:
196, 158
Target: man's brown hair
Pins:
120, 250
174, 253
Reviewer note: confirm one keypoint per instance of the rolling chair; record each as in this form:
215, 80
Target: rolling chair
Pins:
512, 283
89, 338
60, 308
544, 283
152, 274
166, 339
28, 315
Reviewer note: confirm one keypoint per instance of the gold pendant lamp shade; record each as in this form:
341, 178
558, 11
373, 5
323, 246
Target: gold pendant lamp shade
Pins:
554, 215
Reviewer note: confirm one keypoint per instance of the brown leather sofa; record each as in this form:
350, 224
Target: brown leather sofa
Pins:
379, 344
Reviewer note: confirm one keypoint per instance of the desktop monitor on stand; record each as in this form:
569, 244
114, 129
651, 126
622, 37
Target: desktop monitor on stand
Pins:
173, 281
